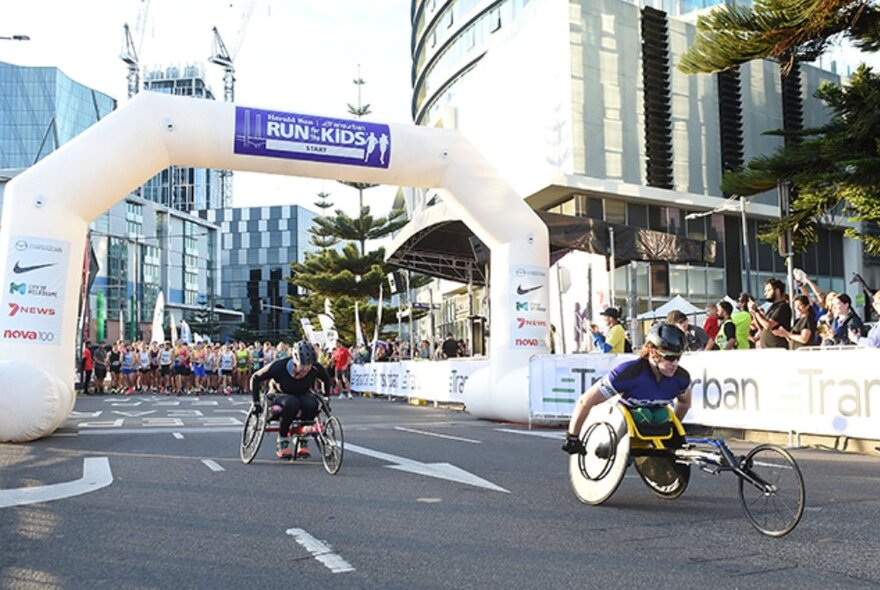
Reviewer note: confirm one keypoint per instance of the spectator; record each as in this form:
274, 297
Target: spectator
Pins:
450, 347
599, 344
803, 333
872, 340
825, 317
742, 319
711, 325
726, 339
697, 339
845, 319
87, 365
425, 350
615, 337
778, 314
99, 358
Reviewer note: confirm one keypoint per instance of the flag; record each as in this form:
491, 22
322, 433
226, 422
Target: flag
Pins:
173, 330
121, 326
308, 331
358, 333
328, 326
100, 316
158, 331
185, 332
378, 323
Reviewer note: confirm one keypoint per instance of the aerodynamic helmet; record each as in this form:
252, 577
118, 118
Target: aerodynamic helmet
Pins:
303, 353
667, 338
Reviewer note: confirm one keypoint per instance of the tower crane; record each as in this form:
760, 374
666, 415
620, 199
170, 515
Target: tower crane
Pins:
131, 48
221, 56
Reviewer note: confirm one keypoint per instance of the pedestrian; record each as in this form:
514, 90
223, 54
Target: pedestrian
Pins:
615, 336
87, 365
342, 365
711, 324
777, 315
872, 340
803, 332
99, 358
450, 346
697, 339
726, 339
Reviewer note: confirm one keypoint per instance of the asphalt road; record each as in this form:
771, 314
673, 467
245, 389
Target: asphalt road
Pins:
182, 511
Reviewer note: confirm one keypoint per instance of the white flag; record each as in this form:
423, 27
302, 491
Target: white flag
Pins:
158, 332
173, 330
185, 332
328, 310
378, 323
308, 331
358, 333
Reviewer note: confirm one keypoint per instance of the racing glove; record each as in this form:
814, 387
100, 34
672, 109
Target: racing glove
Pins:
573, 444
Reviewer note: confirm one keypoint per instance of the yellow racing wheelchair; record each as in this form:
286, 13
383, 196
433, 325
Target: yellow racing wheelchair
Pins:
771, 487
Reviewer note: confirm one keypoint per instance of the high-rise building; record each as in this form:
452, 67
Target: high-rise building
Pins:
581, 107
182, 188
41, 109
258, 245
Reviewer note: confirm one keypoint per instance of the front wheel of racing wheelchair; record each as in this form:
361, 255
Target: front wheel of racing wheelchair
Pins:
612, 440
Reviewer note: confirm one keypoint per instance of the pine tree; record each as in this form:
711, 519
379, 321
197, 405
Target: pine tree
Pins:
835, 168
358, 111
787, 30
321, 237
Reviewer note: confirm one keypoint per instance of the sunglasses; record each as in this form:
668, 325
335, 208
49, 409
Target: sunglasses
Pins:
670, 356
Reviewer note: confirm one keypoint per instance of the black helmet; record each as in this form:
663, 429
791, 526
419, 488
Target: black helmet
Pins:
303, 354
667, 338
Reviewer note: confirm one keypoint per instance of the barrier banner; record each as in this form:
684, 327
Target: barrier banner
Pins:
825, 392
439, 381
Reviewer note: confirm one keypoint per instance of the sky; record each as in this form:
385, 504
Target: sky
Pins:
295, 55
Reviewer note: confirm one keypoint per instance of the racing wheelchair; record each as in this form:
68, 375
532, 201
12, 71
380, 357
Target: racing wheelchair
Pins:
325, 430
771, 487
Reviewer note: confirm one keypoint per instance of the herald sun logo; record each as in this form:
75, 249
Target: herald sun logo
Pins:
15, 309
527, 342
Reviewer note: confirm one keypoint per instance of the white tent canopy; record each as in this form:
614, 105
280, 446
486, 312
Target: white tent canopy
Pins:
676, 303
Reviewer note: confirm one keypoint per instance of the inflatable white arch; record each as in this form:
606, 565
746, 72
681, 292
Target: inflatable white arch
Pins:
47, 209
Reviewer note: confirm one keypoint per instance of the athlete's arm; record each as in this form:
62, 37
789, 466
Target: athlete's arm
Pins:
257, 378
324, 376
590, 398
682, 404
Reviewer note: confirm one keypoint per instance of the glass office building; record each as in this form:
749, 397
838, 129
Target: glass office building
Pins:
258, 245
42, 109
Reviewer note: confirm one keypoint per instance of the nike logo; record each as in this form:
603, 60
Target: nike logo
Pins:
18, 269
521, 291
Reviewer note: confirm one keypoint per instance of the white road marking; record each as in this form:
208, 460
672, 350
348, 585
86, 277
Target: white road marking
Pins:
541, 433
96, 475
438, 470
190, 430
212, 465
322, 551
438, 435
429, 500
177, 435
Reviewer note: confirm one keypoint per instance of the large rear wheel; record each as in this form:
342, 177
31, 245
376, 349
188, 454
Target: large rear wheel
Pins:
774, 503
252, 434
331, 445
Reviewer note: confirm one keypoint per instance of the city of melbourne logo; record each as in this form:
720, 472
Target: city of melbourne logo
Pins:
18, 288
35, 290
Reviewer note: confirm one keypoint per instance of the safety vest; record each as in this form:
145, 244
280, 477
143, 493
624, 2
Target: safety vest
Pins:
742, 320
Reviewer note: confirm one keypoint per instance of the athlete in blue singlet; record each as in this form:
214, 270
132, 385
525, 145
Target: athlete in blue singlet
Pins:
645, 384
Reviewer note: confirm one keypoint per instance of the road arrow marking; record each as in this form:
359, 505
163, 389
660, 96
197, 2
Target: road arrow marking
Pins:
322, 551
438, 435
96, 475
438, 470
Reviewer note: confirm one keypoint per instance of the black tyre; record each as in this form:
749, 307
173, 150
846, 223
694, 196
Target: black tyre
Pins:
252, 434
776, 505
330, 443
663, 476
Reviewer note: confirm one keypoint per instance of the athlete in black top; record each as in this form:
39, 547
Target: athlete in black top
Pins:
295, 376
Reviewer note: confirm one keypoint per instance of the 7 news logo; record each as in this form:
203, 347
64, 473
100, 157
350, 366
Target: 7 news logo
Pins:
15, 309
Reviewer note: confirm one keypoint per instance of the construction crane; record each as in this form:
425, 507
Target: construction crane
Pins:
131, 49
224, 58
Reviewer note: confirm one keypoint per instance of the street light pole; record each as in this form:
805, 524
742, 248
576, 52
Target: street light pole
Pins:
747, 262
